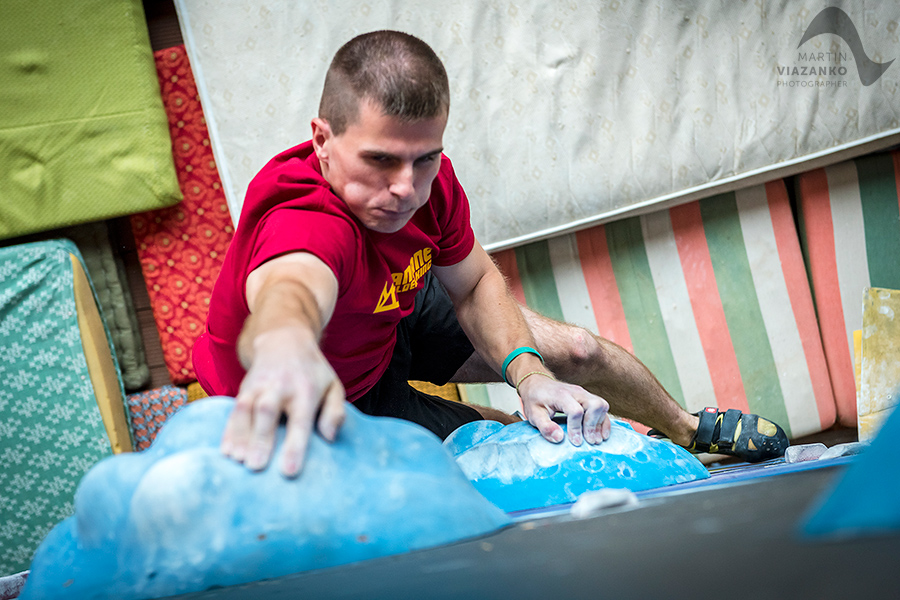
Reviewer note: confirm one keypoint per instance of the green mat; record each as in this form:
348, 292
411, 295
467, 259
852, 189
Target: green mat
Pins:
83, 132
106, 270
51, 430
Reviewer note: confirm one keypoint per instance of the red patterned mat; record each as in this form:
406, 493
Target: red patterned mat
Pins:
181, 248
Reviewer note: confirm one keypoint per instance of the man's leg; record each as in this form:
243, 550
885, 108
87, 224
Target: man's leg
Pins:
603, 368
493, 414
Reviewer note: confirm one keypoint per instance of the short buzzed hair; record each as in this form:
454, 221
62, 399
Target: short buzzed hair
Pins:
394, 70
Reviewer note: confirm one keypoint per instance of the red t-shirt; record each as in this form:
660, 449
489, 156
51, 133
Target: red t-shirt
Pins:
290, 207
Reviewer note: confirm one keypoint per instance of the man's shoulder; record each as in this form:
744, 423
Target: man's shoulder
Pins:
291, 180
294, 165
446, 178
446, 169
447, 192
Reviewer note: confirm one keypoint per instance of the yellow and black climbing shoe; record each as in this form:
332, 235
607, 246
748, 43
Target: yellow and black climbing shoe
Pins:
747, 436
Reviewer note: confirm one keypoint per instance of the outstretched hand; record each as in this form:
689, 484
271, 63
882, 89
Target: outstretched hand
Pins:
288, 375
587, 415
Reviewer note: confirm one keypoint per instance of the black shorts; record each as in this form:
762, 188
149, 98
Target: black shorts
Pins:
431, 346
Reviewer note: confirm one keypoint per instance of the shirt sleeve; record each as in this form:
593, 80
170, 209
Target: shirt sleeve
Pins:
328, 237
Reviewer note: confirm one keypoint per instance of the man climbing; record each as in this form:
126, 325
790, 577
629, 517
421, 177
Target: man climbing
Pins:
354, 269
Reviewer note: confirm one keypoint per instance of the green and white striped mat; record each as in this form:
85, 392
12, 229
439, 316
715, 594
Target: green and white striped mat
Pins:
850, 225
712, 296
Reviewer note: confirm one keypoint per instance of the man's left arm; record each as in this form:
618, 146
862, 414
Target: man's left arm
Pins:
492, 320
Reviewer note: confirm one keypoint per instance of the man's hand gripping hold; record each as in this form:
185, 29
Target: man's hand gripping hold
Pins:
291, 299
587, 415
494, 323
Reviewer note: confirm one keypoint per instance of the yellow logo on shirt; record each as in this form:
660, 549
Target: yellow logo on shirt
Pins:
388, 300
419, 264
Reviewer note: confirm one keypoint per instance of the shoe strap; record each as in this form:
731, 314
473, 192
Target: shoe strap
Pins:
706, 429
730, 421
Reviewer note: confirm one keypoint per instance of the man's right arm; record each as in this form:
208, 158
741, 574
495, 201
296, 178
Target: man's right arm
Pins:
291, 299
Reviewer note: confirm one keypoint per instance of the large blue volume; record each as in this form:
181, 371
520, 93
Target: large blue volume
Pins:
181, 518
517, 469
865, 500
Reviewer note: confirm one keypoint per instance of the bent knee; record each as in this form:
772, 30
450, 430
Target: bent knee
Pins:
585, 348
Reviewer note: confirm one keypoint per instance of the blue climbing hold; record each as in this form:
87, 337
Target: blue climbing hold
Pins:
468, 435
517, 469
181, 518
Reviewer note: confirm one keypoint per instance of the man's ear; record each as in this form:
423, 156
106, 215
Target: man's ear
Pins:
321, 133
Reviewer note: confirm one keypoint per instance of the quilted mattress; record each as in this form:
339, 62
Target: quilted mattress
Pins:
568, 113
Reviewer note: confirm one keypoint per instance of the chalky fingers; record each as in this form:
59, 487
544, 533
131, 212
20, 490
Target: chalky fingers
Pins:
596, 419
540, 419
266, 412
296, 440
331, 417
574, 417
236, 436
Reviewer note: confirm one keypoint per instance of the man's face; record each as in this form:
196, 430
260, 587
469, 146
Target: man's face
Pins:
380, 166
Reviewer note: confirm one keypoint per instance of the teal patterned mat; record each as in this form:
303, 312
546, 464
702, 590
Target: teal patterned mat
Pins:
51, 431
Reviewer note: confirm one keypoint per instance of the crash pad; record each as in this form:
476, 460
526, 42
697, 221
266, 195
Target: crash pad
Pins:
517, 469
61, 405
83, 133
179, 517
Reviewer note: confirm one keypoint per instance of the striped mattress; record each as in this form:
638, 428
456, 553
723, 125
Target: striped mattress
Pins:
720, 320
850, 225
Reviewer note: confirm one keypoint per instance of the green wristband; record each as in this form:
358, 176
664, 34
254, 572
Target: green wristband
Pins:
515, 353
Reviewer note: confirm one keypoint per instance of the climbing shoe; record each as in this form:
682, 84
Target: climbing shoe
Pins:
746, 436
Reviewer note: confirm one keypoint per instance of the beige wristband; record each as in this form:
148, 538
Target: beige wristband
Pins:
527, 375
